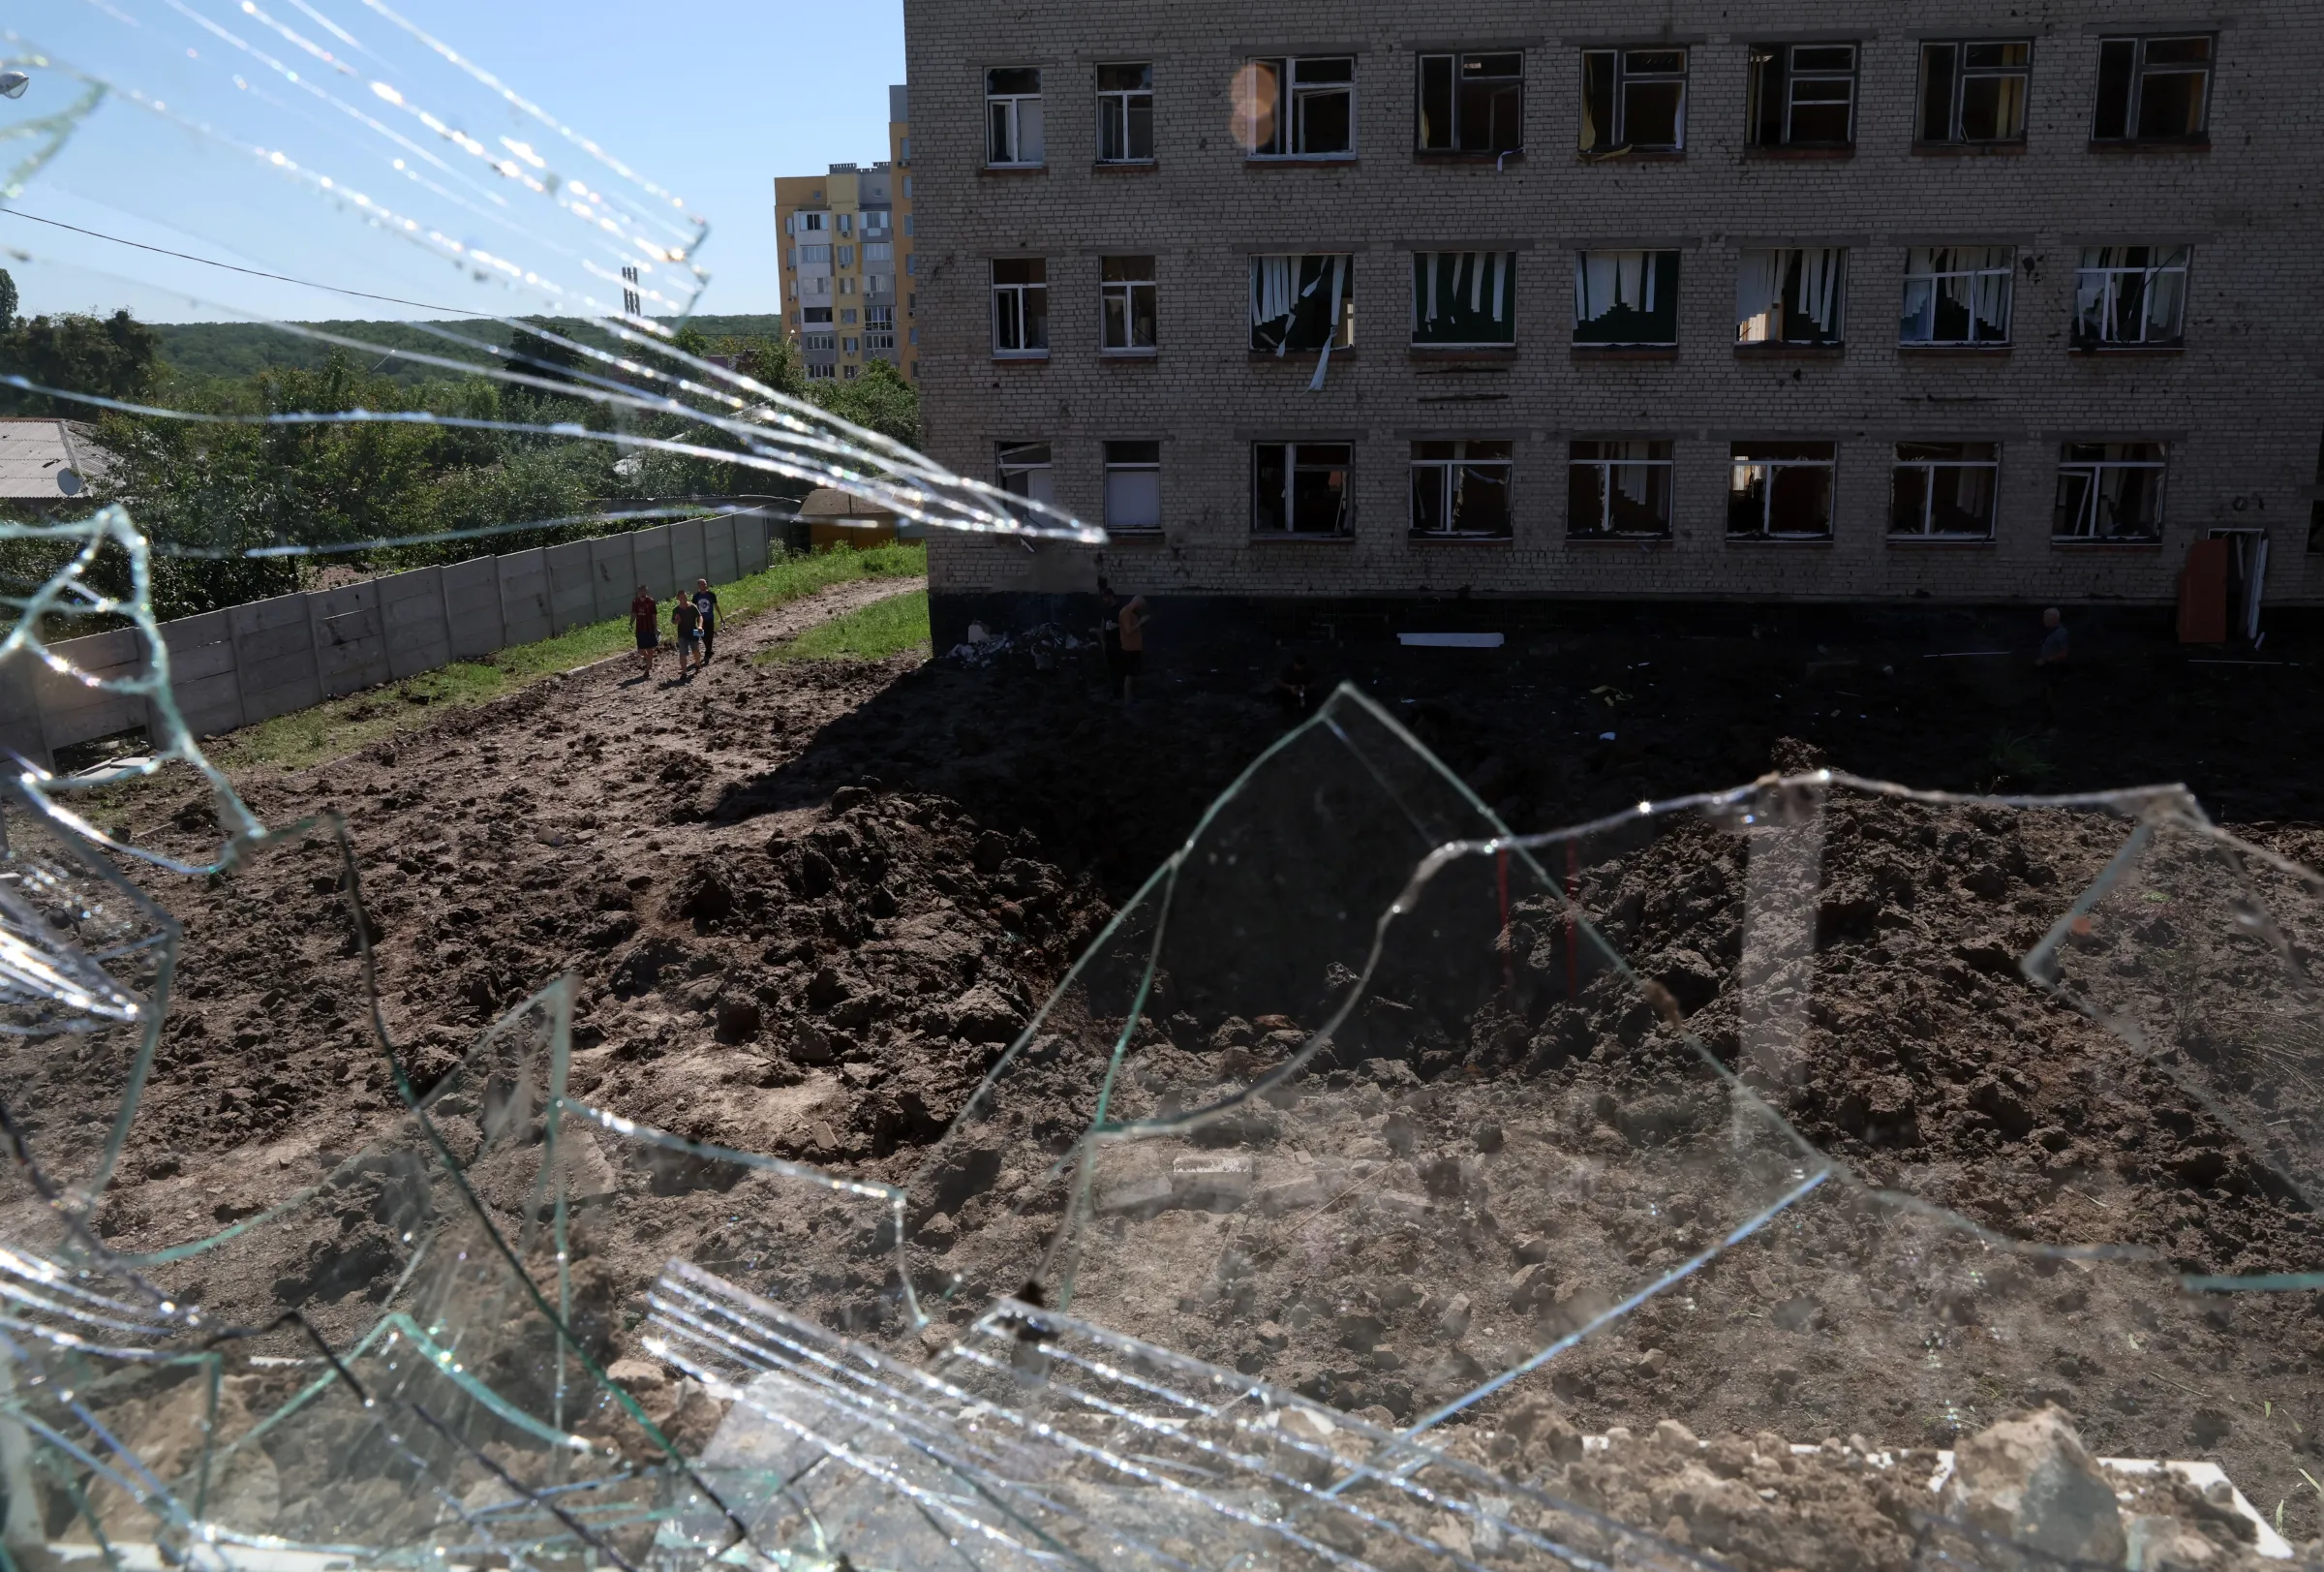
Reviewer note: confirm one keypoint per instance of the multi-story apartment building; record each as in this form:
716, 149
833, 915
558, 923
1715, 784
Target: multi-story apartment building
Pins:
847, 270
1820, 299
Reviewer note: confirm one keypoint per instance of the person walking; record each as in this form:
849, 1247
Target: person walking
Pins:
686, 624
1133, 647
1109, 632
706, 607
646, 619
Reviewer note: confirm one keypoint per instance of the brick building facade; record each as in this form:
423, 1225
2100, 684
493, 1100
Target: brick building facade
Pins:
1672, 267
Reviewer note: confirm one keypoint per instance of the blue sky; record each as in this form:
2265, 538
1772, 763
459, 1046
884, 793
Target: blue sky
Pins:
708, 100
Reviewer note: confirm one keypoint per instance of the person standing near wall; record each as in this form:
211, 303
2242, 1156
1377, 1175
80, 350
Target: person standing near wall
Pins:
646, 618
706, 607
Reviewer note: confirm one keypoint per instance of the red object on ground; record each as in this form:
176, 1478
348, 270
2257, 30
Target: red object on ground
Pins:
2203, 594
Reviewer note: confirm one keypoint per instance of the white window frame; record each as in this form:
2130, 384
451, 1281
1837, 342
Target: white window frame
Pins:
1605, 468
815, 255
2099, 285
1831, 466
1011, 127
1792, 77
2140, 43
880, 250
1454, 59
1115, 466
821, 370
1933, 285
1290, 489
1928, 467
813, 222
1009, 307
1125, 292
1617, 138
1963, 75
1288, 121
1448, 476
2083, 528
1113, 113
1027, 469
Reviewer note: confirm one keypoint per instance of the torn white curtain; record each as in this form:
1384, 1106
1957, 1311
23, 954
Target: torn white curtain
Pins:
1973, 278
1486, 270
1758, 284
1820, 286
1323, 361
1278, 276
1615, 278
1429, 311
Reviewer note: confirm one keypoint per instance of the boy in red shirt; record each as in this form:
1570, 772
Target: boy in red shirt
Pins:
644, 618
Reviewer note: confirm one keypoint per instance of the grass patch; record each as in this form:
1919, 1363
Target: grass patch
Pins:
873, 633
339, 726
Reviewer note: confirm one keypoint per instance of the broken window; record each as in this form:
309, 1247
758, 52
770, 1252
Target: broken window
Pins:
2153, 89
2109, 492
1126, 296
1634, 101
1025, 472
1973, 92
2130, 296
1957, 295
1020, 306
1781, 491
1802, 94
1461, 488
1300, 487
816, 313
1790, 296
1945, 489
1626, 298
1472, 103
1125, 114
1303, 303
1618, 487
1465, 298
1132, 485
1013, 116
1297, 108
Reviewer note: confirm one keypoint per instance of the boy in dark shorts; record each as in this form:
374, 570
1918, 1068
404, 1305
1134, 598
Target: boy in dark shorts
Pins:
687, 622
645, 618
706, 607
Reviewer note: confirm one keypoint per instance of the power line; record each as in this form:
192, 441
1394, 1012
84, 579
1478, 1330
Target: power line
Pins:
279, 278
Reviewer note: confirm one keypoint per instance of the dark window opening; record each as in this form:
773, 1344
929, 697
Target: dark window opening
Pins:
1618, 488
1471, 104
2109, 492
1623, 298
1125, 114
1802, 94
2153, 89
1634, 101
1465, 298
1299, 488
1795, 296
1461, 488
1302, 303
1973, 92
1297, 108
1781, 491
1945, 489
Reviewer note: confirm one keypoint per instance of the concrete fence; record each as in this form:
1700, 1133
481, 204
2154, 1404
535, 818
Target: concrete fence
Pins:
266, 658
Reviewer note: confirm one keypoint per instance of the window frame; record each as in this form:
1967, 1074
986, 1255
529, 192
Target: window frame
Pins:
2099, 344
1963, 73
1620, 142
1792, 285
1113, 110
1652, 278
2134, 95
1109, 465
2071, 465
1448, 475
1603, 466
1927, 467
1831, 465
1287, 129
1022, 292
1935, 280
1453, 146
1006, 473
1292, 469
1790, 77
1013, 102
1342, 337
1428, 286
1127, 289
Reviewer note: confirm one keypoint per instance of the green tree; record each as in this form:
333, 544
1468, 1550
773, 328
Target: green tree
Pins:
8, 302
116, 356
880, 400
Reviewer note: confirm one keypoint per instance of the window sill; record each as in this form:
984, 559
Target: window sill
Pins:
1323, 161
2174, 144
2078, 542
2015, 149
1005, 169
1619, 542
1632, 155
1439, 353
1790, 352
1040, 359
1953, 351
1299, 357
1296, 538
1943, 542
1129, 355
1824, 541
2127, 351
1796, 155
1126, 166
1434, 155
1439, 538
1625, 352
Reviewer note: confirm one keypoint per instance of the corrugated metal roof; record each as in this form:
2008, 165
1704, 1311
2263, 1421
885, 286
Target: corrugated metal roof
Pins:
33, 453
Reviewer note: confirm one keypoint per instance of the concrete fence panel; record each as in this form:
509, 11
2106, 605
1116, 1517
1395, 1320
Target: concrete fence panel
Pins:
524, 598
274, 657
652, 553
753, 530
612, 564
717, 550
71, 710
20, 709
202, 680
412, 612
472, 608
350, 642
686, 555
573, 593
